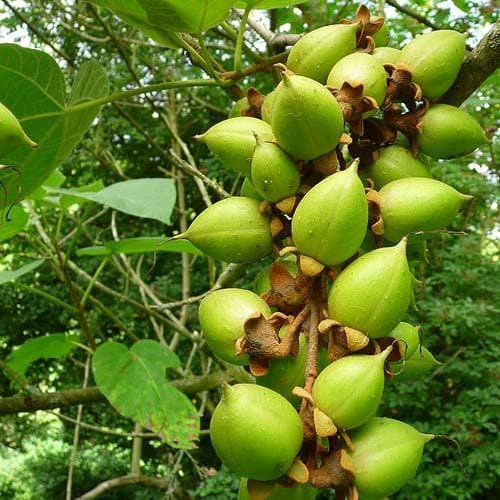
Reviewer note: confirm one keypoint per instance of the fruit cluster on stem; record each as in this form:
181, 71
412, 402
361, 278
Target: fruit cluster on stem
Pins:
322, 332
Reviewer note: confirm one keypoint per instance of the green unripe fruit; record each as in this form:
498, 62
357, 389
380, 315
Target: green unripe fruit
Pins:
372, 294
360, 68
12, 134
418, 204
267, 106
238, 107
255, 432
286, 373
386, 455
381, 37
222, 316
275, 175
420, 364
448, 132
386, 55
233, 141
408, 336
330, 222
349, 390
248, 190
317, 52
297, 492
306, 119
435, 59
395, 162
231, 230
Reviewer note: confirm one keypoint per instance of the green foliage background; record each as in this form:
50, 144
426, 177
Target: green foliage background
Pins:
457, 302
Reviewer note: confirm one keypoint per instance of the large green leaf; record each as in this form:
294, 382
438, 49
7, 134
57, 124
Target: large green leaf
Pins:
132, 13
32, 87
148, 198
139, 245
268, 4
6, 276
56, 345
18, 219
190, 16
68, 200
134, 381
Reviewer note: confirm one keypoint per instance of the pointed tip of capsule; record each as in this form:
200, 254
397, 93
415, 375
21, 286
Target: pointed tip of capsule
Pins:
354, 165
29, 142
402, 244
385, 353
180, 236
199, 137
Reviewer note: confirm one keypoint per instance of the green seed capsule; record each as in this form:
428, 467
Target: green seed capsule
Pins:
317, 52
448, 132
233, 141
286, 373
395, 162
222, 315
386, 454
12, 134
248, 190
418, 204
297, 492
238, 107
381, 37
408, 336
231, 230
420, 364
267, 106
349, 390
306, 119
435, 59
330, 222
372, 294
360, 68
256, 432
386, 55
275, 175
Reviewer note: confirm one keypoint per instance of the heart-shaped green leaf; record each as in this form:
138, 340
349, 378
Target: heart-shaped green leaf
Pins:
32, 87
139, 245
55, 346
268, 4
132, 13
134, 381
18, 219
148, 198
190, 16
6, 276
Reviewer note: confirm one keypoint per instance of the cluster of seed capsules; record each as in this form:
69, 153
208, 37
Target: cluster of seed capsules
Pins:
323, 329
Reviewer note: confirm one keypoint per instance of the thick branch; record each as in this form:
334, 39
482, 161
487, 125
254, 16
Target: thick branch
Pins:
110, 484
72, 397
479, 64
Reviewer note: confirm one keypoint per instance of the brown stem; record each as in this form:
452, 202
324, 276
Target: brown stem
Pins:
72, 397
312, 348
478, 65
285, 345
117, 482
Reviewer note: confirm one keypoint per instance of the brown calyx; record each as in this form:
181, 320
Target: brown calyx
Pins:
255, 100
368, 26
341, 340
400, 87
375, 220
409, 123
354, 103
375, 134
287, 293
